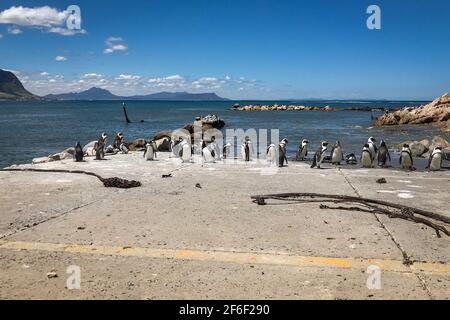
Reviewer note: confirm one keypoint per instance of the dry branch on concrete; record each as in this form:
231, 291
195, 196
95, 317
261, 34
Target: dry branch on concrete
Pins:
113, 182
392, 210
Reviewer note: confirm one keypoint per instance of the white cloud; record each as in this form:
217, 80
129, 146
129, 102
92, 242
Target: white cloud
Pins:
60, 58
1, 36
44, 74
115, 44
92, 75
14, 30
44, 18
128, 77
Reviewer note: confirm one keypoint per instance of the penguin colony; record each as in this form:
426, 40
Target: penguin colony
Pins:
371, 155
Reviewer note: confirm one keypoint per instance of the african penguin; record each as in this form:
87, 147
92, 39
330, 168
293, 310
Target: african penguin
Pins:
435, 160
78, 152
271, 154
247, 149
226, 150
150, 151
372, 147
302, 151
337, 154
100, 147
319, 155
185, 151
406, 159
384, 158
282, 153
366, 157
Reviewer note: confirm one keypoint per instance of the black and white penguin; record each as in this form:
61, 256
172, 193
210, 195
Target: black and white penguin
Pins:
79, 154
209, 152
372, 147
302, 151
150, 151
351, 159
367, 157
226, 150
100, 147
282, 153
435, 160
119, 143
185, 150
271, 154
384, 158
337, 155
319, 156
247, 149
406, 159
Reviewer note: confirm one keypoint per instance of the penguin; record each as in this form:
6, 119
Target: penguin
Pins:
100, 147
336, 154
320, 155
366, 157
282, 153
351, 159
185, 151
226, 150
247, 149
302, 151
119, 144
150, 151
209, 153
271, 154
384, 158
79, 154
435, 160
372, 147
214, 148
406, 159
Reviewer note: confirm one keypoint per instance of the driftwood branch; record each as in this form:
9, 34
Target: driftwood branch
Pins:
392, 210
107, 182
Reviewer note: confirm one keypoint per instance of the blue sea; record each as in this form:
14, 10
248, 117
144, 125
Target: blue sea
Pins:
36, 129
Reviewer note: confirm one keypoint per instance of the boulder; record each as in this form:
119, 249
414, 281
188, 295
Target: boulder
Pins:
417, 149
41, 160
439, 141
137, 145
60, 156
426, 143
437, 111
162, 134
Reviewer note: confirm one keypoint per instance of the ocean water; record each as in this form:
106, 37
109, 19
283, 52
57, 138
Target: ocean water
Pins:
35, 129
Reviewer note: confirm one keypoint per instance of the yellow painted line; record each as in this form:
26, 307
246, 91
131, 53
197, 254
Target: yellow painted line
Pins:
227, 257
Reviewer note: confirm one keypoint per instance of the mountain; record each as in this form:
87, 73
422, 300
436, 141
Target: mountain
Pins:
91, 94
102, 94
12, 89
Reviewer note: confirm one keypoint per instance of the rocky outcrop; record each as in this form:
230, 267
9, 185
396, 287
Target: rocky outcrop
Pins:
424, 147
437, 112
137, 145
277, 107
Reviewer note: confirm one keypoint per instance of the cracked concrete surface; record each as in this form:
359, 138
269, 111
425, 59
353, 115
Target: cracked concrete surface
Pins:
173, 214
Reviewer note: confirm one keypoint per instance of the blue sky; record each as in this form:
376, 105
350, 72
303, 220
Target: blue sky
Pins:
253, 49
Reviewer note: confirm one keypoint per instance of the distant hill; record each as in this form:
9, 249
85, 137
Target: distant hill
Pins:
12, 89
102, 94
91, 94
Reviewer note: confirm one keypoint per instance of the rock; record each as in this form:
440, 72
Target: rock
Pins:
440, 141
417, 149
426, 143
381, 181
437, 111
446, 151
41, 160
137, 145
89, 148
162, 134
60, 156
52, 275
400, 145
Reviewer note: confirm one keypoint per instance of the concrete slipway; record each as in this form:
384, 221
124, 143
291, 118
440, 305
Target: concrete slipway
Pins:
172, 240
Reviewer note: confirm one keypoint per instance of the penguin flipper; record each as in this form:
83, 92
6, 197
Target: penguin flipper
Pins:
314, 163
